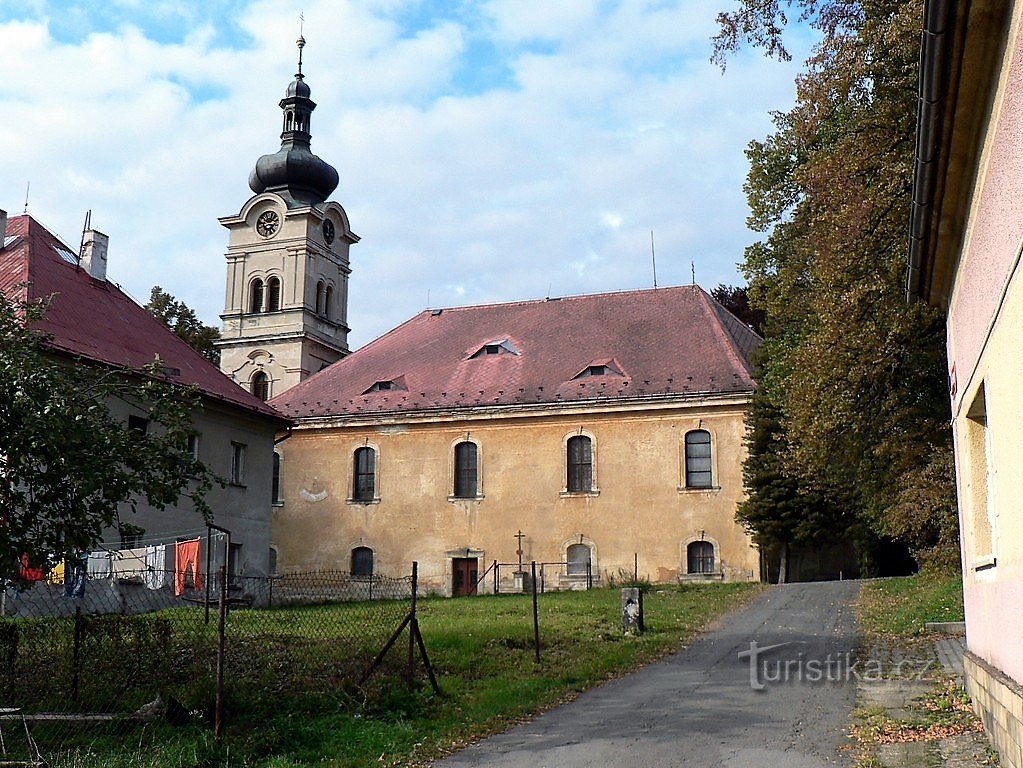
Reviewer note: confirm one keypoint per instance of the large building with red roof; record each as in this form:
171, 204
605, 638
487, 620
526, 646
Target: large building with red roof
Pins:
92, 321
607, 429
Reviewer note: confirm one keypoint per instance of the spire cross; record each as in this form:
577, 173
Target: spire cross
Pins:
301, 40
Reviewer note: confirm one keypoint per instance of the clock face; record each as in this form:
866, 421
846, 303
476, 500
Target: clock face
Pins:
328, 231
268, 223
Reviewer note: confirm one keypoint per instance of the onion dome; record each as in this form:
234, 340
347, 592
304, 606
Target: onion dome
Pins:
294, 172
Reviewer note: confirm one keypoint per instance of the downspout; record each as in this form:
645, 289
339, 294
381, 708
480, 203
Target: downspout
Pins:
933, 92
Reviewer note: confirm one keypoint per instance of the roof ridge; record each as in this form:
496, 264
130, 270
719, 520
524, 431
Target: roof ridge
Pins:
730, 343
569, 297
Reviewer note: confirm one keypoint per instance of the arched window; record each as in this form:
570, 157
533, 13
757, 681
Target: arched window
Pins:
580, 463
700, 557
328, 301
260, 385
580, 560
275, 486
698, 474
466, 474
256, 296
272, 562
320, 297
362, 561
273, 294
364, 474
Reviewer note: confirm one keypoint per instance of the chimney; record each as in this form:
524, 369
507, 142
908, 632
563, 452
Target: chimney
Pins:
3, 226
94, 254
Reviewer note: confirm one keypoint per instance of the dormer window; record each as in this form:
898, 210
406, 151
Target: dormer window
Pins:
387, 385
495, 347
605, 367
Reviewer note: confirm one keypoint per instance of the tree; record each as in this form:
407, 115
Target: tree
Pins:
736, 300
855, 372
70, 468
185, 324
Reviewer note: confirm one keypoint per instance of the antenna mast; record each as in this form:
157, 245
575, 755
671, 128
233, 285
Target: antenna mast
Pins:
653, 258
85, 228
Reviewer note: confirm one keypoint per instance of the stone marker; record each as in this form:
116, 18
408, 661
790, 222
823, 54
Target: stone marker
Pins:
632, 610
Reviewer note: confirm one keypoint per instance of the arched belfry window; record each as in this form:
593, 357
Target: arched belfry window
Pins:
256, 296
273, 294
321, 295
364, 469
260, 385
328, 301
698, 459
466, 470
580, 463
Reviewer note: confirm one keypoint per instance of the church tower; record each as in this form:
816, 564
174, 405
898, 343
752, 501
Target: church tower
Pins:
285, 312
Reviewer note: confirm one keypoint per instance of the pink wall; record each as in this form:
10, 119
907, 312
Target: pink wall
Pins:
994, 599
996, 233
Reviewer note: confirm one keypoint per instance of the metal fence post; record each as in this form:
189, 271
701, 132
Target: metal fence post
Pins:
412, 615
589, 574
76, 653
218, 723
536, 613
497, 581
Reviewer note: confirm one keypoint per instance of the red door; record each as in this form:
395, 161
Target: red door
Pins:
464, 574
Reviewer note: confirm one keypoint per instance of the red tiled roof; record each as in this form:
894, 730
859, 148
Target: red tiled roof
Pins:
94, 319
664, 341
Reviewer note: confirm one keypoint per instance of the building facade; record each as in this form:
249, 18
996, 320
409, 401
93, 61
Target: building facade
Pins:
966, 241
286, 304
600, 435
90, 321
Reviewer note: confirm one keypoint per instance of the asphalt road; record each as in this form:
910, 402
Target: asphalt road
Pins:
705, 706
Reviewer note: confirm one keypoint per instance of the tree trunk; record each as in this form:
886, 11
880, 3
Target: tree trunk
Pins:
783, 563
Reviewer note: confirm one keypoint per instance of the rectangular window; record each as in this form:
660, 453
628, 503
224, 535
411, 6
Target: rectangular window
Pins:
139, 424
580, 464
364, 475
237, 463
193, 446
698, 459
466, 485
275, 485
977, 474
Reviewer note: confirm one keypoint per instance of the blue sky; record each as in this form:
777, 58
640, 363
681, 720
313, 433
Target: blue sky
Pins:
488, 151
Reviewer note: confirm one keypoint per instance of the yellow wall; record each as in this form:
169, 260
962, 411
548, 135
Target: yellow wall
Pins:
639, 506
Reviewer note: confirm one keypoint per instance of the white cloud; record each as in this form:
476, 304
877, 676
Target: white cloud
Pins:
556, 178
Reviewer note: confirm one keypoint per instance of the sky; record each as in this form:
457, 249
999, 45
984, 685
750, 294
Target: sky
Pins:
489, 150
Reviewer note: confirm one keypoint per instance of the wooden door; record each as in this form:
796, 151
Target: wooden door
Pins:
464, 574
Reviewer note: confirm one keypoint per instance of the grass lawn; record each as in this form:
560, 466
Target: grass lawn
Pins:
900, 607
482, 650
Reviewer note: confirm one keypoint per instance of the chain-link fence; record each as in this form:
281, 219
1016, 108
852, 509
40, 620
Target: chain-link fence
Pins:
112, 655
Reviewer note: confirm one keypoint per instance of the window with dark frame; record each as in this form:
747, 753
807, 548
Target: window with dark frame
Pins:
466, 470
273, 294
364, 474
328, 301
700, 557
362, 561
698, 459
260, 385
580, 463
193, 446
320, 291
237, 463
275, 485
256, 297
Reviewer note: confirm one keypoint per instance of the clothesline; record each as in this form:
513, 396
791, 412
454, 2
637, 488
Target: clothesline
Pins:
162, 538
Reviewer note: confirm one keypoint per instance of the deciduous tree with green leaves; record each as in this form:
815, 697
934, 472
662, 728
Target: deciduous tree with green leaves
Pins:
855, 373
181, 319
69, 467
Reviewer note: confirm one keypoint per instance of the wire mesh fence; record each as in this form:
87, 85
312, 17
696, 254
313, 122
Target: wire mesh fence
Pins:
134, 651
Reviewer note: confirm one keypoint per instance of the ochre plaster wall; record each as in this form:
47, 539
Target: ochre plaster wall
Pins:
638, 508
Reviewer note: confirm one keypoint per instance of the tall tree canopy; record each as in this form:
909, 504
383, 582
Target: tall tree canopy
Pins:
181, 319
69, 467
855, 373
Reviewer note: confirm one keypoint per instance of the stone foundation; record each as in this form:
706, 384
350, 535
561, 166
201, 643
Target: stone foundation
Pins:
998, 701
